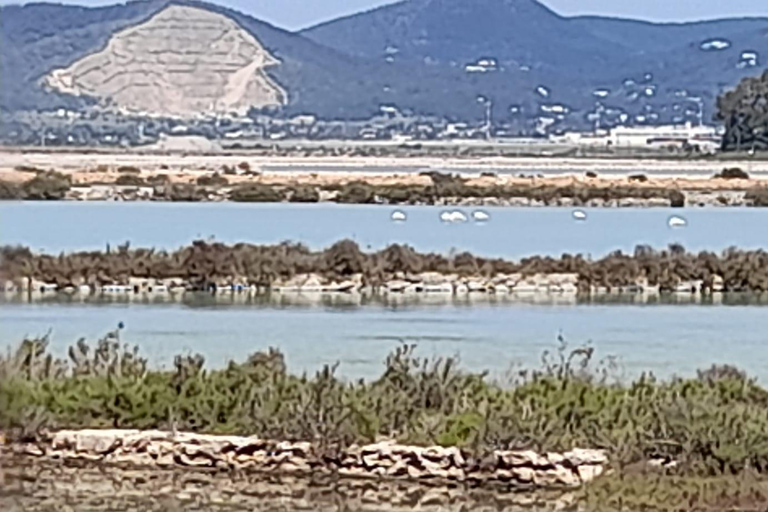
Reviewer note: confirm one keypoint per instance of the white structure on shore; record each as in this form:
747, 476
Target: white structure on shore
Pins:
706, 138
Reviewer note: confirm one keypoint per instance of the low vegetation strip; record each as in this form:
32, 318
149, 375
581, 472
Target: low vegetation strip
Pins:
431, 188
730, 187
205, 266
714, 424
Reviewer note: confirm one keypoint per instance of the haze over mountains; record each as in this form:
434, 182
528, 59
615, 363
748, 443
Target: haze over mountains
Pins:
432, 57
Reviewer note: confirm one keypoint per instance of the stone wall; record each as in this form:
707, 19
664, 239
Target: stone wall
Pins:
386, 460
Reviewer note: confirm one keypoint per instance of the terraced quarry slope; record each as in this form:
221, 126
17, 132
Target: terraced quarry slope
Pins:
183, 61
425, 56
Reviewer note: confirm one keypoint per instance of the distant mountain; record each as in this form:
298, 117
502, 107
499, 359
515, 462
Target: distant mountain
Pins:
572, 56
428, 56
36, 39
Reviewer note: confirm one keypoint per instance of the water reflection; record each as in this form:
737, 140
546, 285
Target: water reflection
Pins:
361, 300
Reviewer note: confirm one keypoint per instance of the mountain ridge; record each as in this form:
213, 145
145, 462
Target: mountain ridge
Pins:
421, 55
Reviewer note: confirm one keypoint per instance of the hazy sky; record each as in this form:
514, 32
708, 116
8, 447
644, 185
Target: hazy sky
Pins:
294, 14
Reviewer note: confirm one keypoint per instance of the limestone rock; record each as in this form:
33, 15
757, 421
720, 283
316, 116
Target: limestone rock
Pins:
382, 460
580, 457
587, 473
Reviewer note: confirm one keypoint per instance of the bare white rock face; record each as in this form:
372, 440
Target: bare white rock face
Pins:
182, 62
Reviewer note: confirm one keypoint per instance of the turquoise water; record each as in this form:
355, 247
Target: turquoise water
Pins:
510, 233
667, 338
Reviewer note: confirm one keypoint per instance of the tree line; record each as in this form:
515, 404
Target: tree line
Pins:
744, 112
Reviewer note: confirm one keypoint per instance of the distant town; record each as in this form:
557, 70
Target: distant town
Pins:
95, 128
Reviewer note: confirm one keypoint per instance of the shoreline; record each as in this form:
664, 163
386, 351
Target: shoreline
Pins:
128, 183
398, 270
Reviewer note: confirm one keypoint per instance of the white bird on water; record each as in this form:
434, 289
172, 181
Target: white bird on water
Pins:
677, 222
399, 216
453, 217
480, 216
579, 215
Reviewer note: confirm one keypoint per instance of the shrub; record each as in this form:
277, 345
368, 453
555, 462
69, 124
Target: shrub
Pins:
244, 166
47, 186
29, 169
215, 180
255, 193
734, 173
130, 180
757, 196
677, 199
638, 178
710, 426
357, 192
304, 195
182, 193
10, 191
158, 179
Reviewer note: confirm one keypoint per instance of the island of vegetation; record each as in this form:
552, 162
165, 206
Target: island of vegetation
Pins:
728, 187
345, 268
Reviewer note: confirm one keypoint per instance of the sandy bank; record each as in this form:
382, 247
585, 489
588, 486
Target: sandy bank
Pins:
66, 161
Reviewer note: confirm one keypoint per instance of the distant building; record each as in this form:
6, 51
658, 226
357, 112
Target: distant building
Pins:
748, 59
483, 65
625, 136
706, 138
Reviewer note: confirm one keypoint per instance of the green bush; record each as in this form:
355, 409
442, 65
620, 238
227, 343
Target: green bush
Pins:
357, 192
130, 180
733, 173
715, 424
181, 192
46, 186
304, 194
214, 180
10, 191
256, 193
158, 179
757, 196
203, 263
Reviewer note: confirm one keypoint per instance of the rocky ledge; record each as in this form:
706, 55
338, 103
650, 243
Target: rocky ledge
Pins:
28, 484
386, 460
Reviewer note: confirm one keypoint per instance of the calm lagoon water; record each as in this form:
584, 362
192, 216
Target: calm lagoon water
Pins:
666, 338
510, 233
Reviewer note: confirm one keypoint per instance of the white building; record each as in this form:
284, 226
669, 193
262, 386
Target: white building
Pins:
705, 138
635, 136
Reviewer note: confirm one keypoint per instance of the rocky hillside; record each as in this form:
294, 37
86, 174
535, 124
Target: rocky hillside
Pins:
37, 39
428, 56
183, 60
